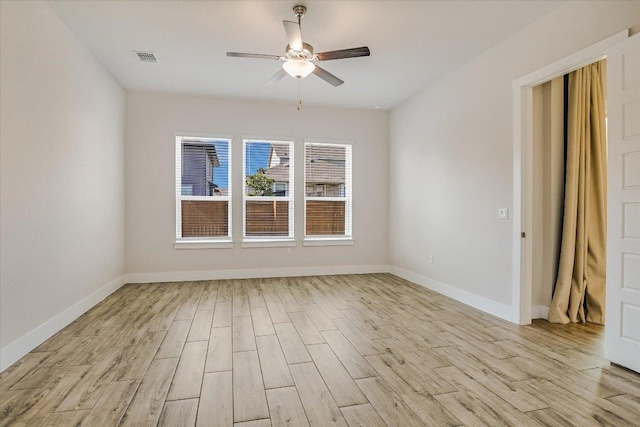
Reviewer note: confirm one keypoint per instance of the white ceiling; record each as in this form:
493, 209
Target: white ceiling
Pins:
412, 43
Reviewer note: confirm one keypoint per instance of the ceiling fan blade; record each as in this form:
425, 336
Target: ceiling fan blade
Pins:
344, 53
253, 55
327, 76
276, 77
293, 34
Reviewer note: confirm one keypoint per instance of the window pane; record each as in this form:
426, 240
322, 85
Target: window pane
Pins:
267, 168
205, 167
325, 217
267, 218
205, 218
325, 170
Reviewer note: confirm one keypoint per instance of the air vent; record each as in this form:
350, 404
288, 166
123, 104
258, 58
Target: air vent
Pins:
146, 56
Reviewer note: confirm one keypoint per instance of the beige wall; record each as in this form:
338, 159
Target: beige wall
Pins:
61, 173
428, 178
548, 187
451, 156
152, 120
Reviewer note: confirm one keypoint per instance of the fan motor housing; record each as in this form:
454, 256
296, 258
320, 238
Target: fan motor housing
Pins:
305, 53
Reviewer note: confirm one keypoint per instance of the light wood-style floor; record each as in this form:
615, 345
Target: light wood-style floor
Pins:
356, 350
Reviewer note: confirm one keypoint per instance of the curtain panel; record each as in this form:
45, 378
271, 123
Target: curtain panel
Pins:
579, 294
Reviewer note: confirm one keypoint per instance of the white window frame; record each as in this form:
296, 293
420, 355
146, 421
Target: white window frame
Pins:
211, 242
269, 241
332, 240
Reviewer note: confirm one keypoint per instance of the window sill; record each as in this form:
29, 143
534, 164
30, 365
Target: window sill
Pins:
203, 244
260, 243
328, 242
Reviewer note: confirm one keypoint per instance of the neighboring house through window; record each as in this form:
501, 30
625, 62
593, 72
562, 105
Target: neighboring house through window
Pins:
278, 169
203, 189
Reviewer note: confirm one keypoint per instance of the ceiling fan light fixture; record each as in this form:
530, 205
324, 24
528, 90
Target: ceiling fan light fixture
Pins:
299, 59
298, 68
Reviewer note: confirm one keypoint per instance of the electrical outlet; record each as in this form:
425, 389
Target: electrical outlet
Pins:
503, 213
430, 259
288, 251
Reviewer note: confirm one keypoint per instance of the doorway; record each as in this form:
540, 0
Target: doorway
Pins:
569, 197
622, 337
523, 194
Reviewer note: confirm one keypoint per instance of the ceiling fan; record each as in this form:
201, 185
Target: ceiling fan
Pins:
299, 59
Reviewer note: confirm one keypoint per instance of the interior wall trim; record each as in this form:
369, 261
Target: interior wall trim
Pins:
23, 345
489, 306
253, 273
540, 312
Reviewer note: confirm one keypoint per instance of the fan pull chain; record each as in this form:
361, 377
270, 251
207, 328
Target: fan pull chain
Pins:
299, 97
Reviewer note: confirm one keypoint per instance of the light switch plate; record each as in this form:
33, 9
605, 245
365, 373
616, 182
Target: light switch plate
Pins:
503, 213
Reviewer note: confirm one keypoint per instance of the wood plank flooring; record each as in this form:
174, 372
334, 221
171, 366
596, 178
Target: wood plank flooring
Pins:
353, 350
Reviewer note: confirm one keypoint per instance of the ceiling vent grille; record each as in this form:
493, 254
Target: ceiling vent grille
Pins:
149, 57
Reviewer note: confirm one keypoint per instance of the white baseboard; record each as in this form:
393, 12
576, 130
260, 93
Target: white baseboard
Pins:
23, 345
489, 306
14, 351
252, 273
540, 312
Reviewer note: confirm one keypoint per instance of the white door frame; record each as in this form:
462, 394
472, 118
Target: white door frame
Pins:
523, 166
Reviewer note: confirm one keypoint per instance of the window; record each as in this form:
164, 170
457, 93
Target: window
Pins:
268, 190
280, 189
203, 189
327, 199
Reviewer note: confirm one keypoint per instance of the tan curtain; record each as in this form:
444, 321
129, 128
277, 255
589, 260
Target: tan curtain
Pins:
579, 295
